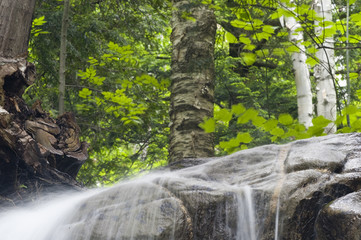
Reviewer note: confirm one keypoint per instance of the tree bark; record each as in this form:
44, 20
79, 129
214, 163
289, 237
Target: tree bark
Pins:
36, 151
324, 71
62, 67
193, 74
302, 74
15, 24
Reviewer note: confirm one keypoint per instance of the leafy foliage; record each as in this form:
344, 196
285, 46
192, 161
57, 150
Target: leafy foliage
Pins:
279, 130
118, 69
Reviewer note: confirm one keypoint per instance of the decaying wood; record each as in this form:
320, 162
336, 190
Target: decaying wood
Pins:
36, 151
33, 156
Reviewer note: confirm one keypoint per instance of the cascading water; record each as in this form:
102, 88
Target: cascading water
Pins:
201, 202
246, 222
37, 222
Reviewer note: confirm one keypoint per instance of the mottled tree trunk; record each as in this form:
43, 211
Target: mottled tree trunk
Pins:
193, 73
36, 151
324, 72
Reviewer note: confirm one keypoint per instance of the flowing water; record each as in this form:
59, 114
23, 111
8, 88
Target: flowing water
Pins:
37, 222
164, 205
246, 222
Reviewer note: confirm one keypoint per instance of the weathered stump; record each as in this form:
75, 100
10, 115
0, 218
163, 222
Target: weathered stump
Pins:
37, 152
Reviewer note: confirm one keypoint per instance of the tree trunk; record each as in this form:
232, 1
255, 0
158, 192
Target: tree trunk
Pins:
324, 71
36, 151
62, 67
302, 74
193, 73
15, 24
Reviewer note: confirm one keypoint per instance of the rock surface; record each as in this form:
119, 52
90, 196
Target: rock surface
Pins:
307, 189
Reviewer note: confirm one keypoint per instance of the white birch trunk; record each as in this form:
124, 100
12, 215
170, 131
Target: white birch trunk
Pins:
324, 71
302, 74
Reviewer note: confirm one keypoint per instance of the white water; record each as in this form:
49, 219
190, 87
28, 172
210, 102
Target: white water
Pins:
246, 222
50, 221
277, 219
148, 206
39, 222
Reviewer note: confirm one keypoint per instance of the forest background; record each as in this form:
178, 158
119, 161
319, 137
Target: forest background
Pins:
117, 70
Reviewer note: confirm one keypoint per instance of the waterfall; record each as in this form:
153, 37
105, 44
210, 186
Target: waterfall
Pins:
138, 209
277, 220
206, 201
37, 222
269, 192
246, 222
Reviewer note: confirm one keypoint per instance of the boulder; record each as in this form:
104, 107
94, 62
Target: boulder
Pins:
308, 189
340, 219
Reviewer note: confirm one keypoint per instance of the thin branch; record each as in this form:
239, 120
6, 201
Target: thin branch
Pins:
338, 48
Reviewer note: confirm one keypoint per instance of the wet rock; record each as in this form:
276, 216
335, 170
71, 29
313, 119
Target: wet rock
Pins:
146, 211
340, 219
305, 190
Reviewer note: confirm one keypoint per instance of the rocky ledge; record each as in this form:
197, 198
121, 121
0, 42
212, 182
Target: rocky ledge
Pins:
306, 189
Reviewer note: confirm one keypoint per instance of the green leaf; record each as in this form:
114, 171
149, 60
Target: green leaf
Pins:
274, 138
354, 75
238, 23
320, 122
97, 80
303, 135
262, 35
248, 115
285, 119
248, 58
249, 47
292, 49
315, 131
278, 52
268, 29
262, 53
238, 109
282, 34
311, 61
277, 132
270, 124
232, 143
209, 125
350, 110
356, 18
329, 32
258, 121
312, 50
290, 133
356, 125
340, 119
306, 43
245, 40
300, 127
223, 115
345, 130
84, 93
231, 38
244, 137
